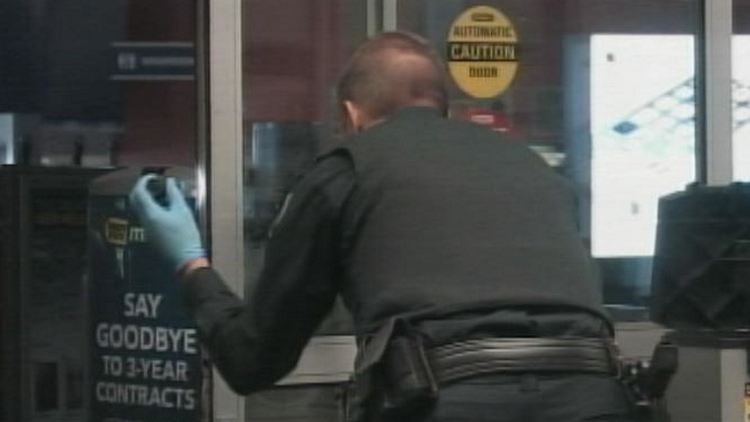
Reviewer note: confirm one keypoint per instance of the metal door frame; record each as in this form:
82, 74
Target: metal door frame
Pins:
223, 186
223, 183
220, 169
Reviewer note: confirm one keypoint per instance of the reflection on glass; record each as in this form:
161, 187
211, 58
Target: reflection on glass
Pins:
277, 153
106, 84
605, 94
293, 51
287, 80
288, 106
82, 85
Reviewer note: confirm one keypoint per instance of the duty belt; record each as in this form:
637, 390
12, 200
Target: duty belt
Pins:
411, 370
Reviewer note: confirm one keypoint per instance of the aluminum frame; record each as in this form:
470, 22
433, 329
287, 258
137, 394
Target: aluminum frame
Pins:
224, 184
717, 62
220, 177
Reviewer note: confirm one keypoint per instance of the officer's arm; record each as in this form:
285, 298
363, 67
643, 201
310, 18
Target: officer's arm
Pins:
254, 344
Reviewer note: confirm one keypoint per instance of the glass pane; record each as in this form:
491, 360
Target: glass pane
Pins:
98, 85
293, 51
85, 87
741, 90
602, 89
288, 106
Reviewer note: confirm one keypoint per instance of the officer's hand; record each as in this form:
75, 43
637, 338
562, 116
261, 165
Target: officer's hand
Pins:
171, 227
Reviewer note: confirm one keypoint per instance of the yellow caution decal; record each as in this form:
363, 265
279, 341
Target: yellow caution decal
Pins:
482, 52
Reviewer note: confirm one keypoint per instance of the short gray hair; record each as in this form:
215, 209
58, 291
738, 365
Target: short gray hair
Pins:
391, 70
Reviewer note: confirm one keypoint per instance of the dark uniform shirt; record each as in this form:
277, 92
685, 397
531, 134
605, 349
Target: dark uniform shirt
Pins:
254, 344
309, 260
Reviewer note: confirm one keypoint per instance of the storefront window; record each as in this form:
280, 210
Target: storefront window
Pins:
289, 116
85, 88
289, 111
98, 85
604, 91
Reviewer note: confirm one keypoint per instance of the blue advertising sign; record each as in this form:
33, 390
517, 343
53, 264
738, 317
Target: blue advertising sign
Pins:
145, 360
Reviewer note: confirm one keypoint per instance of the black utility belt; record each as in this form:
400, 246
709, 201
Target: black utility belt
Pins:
413, 371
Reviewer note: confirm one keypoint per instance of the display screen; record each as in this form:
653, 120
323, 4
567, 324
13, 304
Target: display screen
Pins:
643, 140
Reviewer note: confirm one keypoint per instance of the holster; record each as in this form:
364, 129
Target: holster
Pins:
391, 374
409, 380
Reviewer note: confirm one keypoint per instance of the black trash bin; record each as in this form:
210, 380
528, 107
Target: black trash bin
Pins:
701, 273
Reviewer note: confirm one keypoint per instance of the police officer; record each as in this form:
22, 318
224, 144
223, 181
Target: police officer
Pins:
455, 250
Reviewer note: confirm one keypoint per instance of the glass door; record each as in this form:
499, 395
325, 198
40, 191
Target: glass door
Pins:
292, 52
86, 89
608, 92
603, 90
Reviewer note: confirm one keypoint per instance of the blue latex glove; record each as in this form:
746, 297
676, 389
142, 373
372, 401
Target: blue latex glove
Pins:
172, 228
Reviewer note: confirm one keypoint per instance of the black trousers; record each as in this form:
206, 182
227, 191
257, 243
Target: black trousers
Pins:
528, 398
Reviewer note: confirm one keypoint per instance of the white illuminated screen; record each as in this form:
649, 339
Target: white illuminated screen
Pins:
643, 137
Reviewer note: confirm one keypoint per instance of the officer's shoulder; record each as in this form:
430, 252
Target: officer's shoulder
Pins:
328, 167
338, 159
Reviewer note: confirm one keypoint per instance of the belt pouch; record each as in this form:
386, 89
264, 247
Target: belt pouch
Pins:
409, 381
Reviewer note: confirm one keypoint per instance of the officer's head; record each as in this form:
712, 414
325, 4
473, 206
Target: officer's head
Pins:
390, 71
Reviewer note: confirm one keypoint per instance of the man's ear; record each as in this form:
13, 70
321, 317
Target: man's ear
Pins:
355, 116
